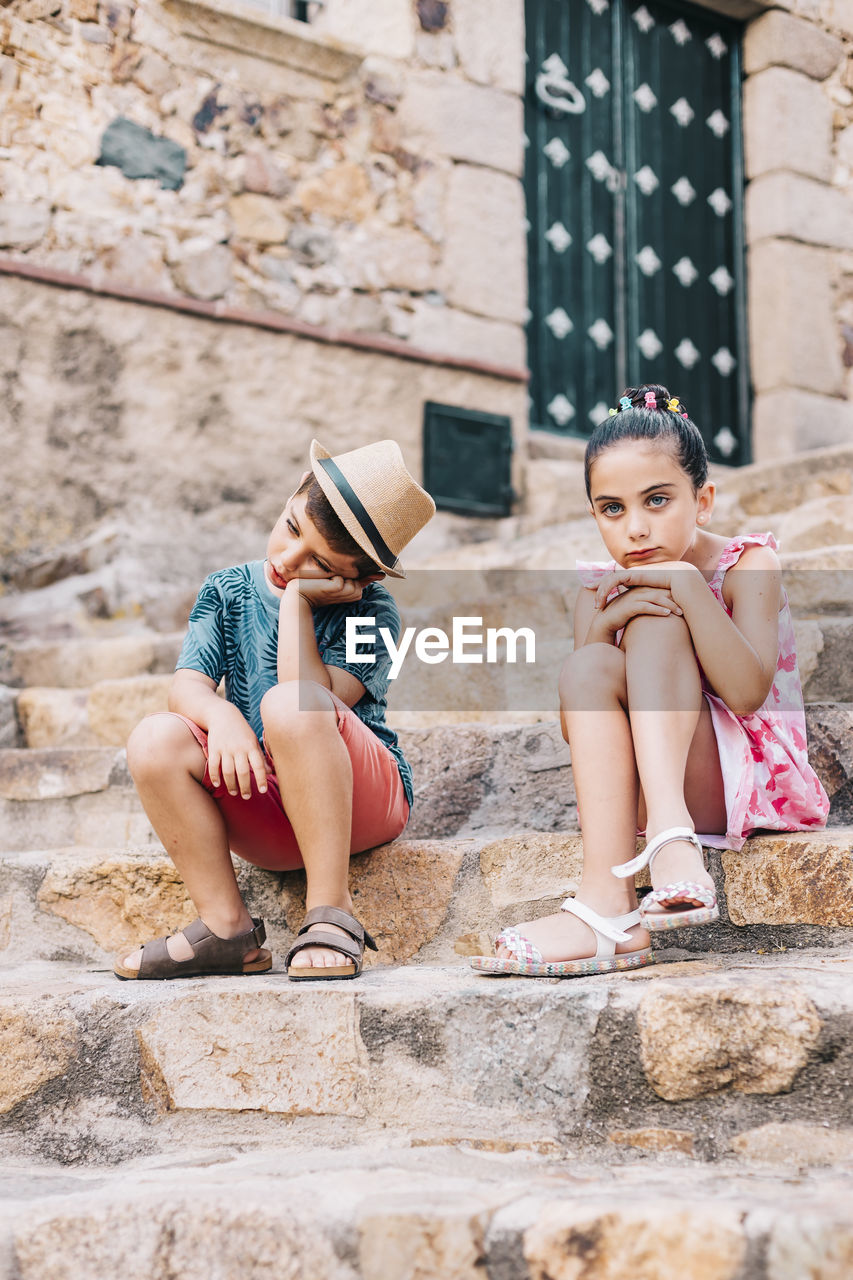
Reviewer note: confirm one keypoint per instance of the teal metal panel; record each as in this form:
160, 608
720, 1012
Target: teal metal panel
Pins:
467, 460
636, 258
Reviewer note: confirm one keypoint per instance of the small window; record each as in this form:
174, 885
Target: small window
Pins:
301, 10
467, 460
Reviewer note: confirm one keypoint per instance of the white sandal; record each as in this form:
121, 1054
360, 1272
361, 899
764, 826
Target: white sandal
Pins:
529, 963
687, 903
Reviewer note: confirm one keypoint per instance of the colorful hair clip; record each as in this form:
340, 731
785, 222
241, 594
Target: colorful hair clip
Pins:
685, 415
624, 403
611, 413
651, 400
673, 404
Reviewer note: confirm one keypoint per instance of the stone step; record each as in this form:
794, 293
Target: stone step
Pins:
425, 901
469, 778
103, 711
714, 1048
79, 662
368, 1212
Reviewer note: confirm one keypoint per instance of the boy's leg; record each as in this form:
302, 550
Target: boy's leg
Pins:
315, 778
168, 765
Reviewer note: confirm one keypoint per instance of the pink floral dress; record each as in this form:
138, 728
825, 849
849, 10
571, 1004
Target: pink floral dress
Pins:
769, 783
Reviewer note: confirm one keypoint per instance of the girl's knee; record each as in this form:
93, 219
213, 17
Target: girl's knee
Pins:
294, 704
599, 666
665, 632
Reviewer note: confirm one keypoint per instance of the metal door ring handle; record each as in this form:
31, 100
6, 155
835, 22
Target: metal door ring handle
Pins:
571, 101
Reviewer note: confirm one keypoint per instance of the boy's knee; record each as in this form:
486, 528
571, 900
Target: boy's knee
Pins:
156, 744
288, 704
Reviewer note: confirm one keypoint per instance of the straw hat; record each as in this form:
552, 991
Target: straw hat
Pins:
379, 504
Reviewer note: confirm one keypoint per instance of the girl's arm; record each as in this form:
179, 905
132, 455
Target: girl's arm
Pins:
739, 653
596, 625
298, 655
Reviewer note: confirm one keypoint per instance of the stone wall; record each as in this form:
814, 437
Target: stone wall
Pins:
798, 135
360, 174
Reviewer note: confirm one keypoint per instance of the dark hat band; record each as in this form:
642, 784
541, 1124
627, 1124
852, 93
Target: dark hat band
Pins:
350, 497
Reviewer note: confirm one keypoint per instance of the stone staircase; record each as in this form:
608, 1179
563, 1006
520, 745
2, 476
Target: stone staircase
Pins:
690, 1120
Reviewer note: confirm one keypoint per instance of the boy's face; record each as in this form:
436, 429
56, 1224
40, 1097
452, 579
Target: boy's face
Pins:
297, 549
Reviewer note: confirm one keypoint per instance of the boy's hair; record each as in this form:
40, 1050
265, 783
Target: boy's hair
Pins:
323, 515
647, 416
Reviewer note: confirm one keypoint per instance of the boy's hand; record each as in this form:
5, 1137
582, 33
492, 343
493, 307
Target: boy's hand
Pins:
322, 591
234, 754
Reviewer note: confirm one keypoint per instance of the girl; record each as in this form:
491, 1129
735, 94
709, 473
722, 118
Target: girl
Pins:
681, 703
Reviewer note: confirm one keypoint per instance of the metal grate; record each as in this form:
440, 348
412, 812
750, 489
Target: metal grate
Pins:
467, 460
634, 183
301, 10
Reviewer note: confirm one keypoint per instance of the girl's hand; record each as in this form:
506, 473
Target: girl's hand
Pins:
672, 576
322, 591
609, 620
234, 755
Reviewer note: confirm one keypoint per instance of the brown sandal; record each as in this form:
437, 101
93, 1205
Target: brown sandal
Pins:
352, 950
211, 955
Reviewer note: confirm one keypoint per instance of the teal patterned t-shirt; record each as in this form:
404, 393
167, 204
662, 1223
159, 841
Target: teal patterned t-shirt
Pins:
233, 632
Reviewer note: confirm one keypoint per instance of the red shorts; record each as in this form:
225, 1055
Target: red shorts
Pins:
258, 828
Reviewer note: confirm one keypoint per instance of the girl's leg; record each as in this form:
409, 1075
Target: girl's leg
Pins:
674, 743
168, 765
593, 701
315, 776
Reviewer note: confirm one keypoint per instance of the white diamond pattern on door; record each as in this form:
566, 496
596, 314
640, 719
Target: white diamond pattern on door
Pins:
634, 187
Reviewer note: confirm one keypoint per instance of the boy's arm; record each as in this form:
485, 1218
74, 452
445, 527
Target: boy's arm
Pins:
298, 655
234, 753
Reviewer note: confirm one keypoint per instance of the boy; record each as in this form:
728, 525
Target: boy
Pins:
329, 779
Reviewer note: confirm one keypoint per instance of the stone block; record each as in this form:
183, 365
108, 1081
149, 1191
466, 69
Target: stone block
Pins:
54, 718
376, 259
233, 1051
528, 867
137, 260
154, 74
38, 1042
490, 42
8, 717
22, 224
428, 1240
830, 730
54, 774
823, 522
797, 208
8, 74
448, 331
402, 894
797, 878
601, 1241
698, 1040
257, 218
342, 193
484, 258
78, 663
814, 1245
784, 40
787, 421
787, 124
832, 675
793, 334
804, 1145
680, 1140
121, 901
263, 175
115, 707
205, 272
383, 27
467, 122
217, 1234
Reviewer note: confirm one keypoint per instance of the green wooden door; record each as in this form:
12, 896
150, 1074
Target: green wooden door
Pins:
634, 196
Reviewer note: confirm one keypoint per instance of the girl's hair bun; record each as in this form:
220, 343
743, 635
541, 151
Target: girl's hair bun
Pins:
650, 412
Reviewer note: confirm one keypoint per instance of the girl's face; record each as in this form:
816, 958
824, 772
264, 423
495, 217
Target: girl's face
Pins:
645, 505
